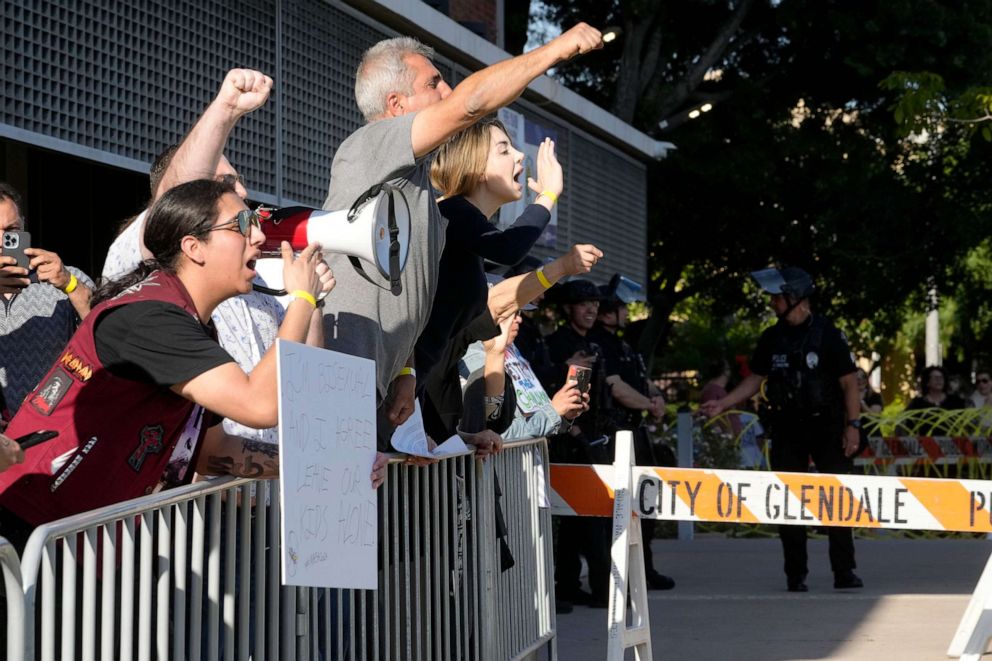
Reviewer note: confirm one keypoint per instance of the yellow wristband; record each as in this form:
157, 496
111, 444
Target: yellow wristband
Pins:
543, 279
73, 283
408, 371
304, 295
550, 195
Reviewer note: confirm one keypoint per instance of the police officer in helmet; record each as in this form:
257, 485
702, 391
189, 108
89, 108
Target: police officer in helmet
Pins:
633, 396
811, 386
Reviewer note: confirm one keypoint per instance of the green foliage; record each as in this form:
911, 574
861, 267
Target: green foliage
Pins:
813, 155
924, 107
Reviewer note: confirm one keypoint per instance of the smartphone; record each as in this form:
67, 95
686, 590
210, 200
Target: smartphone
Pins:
582, 376
35, 438
14, 243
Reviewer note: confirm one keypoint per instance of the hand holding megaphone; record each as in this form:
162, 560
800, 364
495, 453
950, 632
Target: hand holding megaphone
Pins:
376, 231
308, 272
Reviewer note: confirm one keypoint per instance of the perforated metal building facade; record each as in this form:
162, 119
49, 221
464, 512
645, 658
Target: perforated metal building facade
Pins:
115, 82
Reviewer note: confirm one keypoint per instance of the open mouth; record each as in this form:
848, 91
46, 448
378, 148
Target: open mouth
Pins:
251, 264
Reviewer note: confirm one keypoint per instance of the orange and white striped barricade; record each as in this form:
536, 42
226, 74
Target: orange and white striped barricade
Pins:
772, 497
890, 454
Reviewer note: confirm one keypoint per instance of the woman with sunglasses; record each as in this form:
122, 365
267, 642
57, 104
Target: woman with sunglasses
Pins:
137, 393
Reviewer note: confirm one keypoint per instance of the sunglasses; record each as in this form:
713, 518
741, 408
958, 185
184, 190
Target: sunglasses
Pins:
982, 380
244, 221
231, 180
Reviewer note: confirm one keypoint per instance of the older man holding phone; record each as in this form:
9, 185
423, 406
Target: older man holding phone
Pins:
43, 302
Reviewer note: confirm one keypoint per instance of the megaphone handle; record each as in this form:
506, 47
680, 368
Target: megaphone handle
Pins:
262, 289
395, 286
394, 247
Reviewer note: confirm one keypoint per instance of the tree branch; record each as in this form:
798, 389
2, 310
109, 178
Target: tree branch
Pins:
716, 50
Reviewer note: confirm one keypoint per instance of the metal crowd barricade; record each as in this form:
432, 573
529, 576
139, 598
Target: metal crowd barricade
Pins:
194, 573
520, 599
14, 595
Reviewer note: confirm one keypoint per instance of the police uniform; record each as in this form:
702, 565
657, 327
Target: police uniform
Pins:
806, 417
598, 421
627, 363
585, 536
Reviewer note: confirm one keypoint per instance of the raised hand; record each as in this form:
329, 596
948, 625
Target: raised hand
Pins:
579, 40
549, 172
580, 259
244, 90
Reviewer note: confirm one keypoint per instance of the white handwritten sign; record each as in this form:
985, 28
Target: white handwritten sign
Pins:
327, 442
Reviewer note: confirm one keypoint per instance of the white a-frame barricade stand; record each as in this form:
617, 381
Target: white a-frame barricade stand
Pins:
739, 496
627, 577
975, 629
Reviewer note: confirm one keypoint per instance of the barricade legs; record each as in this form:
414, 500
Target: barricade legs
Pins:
627, 573
975, 629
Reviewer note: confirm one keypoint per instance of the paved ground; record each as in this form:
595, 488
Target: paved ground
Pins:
730, 603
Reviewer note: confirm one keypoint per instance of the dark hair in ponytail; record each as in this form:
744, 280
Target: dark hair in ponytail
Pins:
186, 210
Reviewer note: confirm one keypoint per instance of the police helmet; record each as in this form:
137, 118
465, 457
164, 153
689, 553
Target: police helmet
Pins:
609, 301
577, 291
790, 281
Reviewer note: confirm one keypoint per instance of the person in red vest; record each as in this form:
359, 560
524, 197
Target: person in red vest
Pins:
138, 393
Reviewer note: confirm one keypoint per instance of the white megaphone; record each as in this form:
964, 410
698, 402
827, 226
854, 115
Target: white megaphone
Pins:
376, 230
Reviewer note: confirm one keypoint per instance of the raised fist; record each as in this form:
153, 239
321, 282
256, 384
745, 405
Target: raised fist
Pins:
579, 40
244, 90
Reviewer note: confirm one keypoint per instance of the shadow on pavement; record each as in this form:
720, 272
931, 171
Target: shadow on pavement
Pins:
730, 602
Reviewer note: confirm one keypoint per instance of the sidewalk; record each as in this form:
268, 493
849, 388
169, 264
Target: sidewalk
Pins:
730, 603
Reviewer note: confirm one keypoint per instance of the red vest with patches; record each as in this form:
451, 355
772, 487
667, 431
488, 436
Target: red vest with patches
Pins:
116, 435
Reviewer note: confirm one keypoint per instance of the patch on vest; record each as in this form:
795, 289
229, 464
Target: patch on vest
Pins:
149, 442
51, 392
76, 365
812, 360
85, 450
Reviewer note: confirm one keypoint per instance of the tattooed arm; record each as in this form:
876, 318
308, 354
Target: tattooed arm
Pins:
223, 454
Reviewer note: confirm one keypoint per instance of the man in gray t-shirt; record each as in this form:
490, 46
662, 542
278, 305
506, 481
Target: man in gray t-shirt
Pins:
410, 112
366, 320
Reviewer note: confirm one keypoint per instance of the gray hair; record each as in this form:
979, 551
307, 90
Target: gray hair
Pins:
384, 70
